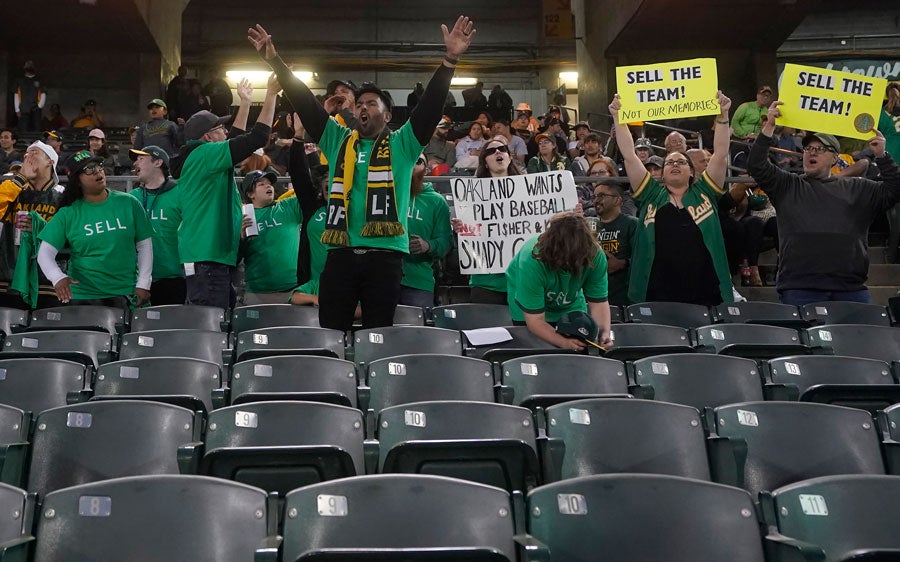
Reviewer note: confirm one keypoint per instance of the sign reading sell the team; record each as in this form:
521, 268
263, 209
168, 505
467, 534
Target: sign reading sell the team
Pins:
499, 214
668, 90
830, 101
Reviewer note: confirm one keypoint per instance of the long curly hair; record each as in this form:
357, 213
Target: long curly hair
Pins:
72, 191
567, 244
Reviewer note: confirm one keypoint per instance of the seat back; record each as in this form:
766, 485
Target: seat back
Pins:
100, 440
78, 317
470, 316
387, 513
12, 319
632, 517
294, 377
18, 513
289, 340
159, 377
633, 341
699, 379
857, 340
484, 442
405, 315
523, 343
87, 347
260, 316
35, 384
13, 425
679, 314
845, 312
609, 435
544, 380
756, 341
791, 441
206, 345
842, 515
422, 377
758, 312
152, 518
378, 343
178, 317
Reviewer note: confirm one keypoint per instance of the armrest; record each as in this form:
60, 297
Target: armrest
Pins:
189, 456
780, 548
269, 550
531, 550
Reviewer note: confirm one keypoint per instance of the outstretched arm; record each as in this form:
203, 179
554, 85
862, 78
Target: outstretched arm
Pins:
718, 163
243, 145
634, 168
245, 93
301, 97
766, 174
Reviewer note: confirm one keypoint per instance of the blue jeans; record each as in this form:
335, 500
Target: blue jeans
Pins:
416, 297
210, 285
799, 297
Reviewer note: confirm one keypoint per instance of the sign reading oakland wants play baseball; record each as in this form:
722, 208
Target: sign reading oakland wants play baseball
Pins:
830, 101
499, 214
667, 90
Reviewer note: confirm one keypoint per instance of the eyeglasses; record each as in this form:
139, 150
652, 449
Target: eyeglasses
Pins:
545, 141
600, 172
216, 128
680, 162
493, 149
816, 149
92, 169
602, 195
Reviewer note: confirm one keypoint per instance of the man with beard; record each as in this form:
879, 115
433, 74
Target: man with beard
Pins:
371, 170
439, 150
429, 239
615, 232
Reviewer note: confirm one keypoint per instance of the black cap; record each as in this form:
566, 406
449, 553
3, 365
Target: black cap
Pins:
370, 87
201, 123
250, 179
578, 324
79, 160
332, 86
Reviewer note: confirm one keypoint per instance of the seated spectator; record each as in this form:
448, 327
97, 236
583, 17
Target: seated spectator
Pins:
485, 119
8, 152
98, 147
615, 232
743, 233
548, 159
525, 120
469, 147
54, 119
439, 150
654, 165
576, 147
517, 149
158, 131
675, 142
88, 116
591, 152
561, 270
644, 149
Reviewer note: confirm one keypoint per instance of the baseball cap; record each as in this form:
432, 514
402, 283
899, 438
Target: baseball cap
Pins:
655, 161
250, 179
541, 136
152, 151
829, 141
765, 89
553, 121
370, 87
444, 123
54, 157
581, 124
332, 86
78, 161
97, 133
156, 101
202, 122
643, 142
580, 325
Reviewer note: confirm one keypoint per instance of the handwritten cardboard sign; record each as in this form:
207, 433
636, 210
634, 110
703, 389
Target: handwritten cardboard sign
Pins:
830, 101
499, 214
668, 90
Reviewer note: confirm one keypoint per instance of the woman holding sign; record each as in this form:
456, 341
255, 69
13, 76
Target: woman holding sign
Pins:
679, 253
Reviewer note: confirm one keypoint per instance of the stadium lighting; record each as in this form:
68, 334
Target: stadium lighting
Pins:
461, 81
570, 78
258, 78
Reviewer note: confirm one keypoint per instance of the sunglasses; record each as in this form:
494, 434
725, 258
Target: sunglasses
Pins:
92, 169
493, 149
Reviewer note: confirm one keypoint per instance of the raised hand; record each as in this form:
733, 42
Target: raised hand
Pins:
458, 39
245, 90
876, 143
724, 103
773, 112
334, 104
259, 38
273, 86
614, 106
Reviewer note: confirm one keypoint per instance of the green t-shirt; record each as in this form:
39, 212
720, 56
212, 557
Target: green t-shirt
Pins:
405, 149
889, 125
311, 287
102, 238
211, 206
317, 250
163, 208
429, 218
492, 281
748, 118
616, 237
534, 288
271, 257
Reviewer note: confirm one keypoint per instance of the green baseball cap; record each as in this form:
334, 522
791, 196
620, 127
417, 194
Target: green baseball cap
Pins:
578, 324
152, 151
157, 101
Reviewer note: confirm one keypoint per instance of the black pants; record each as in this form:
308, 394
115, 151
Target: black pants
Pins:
481, 295
171, 290
368, 277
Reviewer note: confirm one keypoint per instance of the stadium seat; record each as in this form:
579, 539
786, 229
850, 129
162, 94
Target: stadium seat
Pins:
855, 382
289, 340
178, 317
543, 380
759, 312
856, 340
294, 377
206, 345
753, 341
279, 446
699, 380
678, 314
608, 435
259, 316
399, 517
12, 320
845, 312
14, 428
634, 341
493, 444
38, 384
631, 517
78, 317
894, 309
16, 524
408, 316
765, 445
471, 316
889, 425
161, 517
100, 440
523, 343
378, 343
84, 346
190, 383
834, 518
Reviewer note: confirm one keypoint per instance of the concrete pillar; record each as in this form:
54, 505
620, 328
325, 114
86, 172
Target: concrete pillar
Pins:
163, 20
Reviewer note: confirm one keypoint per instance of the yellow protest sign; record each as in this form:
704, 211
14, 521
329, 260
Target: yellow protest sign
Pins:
667, 90
830, 101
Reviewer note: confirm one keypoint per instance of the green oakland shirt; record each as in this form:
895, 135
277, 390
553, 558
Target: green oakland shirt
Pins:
617, 238
271, 257
405, 149
534, 288
429, 218
102, 238
317, 250
163, 208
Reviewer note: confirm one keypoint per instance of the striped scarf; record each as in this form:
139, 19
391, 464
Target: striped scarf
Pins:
381, 200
